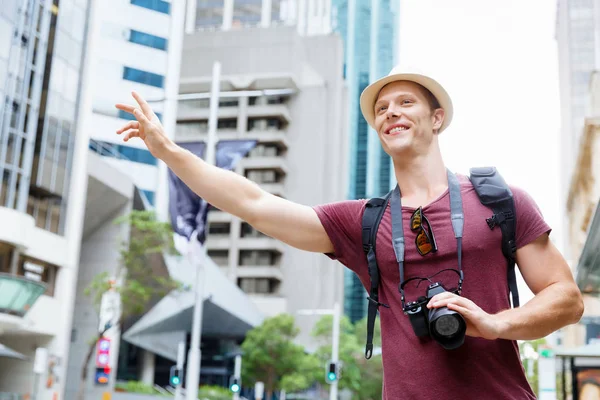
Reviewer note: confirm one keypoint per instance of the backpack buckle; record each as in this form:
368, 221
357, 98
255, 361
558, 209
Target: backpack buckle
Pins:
491, 221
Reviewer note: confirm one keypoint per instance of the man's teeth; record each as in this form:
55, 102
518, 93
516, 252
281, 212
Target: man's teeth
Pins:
398, 129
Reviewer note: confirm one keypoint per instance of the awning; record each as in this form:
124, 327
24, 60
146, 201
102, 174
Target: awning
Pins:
228, 312
588, 268
10, 353
587, 351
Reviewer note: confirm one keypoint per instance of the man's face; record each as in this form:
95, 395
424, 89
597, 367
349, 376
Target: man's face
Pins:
404, 119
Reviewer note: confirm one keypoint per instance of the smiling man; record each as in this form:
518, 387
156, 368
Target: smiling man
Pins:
409, 111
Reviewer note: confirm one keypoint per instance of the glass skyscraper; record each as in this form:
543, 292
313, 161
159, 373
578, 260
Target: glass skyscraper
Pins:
369, 29
40, 65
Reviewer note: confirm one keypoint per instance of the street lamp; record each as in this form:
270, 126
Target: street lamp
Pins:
193, 373
335, 343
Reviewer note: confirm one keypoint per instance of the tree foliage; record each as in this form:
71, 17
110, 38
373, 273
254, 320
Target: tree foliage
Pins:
361, 376
271, 356
132, 277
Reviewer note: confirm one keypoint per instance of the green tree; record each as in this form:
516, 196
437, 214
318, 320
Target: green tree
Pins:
138, 286
271, 356
361, 376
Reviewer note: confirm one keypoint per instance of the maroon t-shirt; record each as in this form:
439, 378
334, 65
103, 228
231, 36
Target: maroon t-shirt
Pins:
419, 368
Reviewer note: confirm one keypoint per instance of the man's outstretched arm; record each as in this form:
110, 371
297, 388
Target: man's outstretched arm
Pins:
295, 224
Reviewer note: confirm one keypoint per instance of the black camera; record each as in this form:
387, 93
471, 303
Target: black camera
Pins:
445, 326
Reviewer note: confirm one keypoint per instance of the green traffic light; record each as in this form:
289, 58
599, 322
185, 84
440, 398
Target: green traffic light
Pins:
235, 388
175, 380
331, 376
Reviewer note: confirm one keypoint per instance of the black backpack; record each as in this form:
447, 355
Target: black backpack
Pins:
493, 192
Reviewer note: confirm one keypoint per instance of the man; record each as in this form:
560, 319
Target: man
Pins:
408, 112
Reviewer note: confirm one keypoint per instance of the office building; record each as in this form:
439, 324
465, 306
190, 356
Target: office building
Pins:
288, 95
370, 32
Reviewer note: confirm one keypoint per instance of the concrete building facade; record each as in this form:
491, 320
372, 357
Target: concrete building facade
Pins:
370, 33
45, 195
285, 91
584, 223
578, 40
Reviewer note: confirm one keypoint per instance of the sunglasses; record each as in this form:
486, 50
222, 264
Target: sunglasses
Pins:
425, 239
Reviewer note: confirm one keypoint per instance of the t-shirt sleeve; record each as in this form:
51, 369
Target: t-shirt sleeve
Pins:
530, 221
342, 222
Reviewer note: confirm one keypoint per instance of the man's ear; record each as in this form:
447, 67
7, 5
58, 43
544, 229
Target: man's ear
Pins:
438, 119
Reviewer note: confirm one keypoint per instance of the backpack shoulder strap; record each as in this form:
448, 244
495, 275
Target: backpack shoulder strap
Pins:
494, 193
374, 210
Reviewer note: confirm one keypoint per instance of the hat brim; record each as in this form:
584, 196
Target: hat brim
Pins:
371, 92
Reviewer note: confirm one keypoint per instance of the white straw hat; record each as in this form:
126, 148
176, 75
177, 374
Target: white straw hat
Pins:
371, 92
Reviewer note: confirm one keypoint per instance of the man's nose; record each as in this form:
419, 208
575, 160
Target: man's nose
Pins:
393, 111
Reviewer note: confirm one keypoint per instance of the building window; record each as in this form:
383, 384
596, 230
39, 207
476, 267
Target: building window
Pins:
219, 257
128, 116
145, 77
156, 5
259, 258
125, 152
249, 231
263, 176
266, 150
6, 252
227, 124
259, 285
219, 228
38, 271
272, 124
149, 196
146, 39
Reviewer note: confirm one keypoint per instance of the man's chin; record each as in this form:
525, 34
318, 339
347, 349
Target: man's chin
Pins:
398, 149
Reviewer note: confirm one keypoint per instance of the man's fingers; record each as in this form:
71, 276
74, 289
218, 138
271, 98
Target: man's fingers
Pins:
142, 119
465, 312
445, 302
129, 125
131, 134
143, 104
125, 107
441, 297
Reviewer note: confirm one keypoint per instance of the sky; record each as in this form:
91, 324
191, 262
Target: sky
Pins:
498, 61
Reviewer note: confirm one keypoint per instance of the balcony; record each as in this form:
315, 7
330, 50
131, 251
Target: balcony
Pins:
17, 296
189, 113
272, 163
261, 243
195, 133
280, 111
259, 271
274, 188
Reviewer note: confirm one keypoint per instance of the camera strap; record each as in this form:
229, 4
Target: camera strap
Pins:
456, 215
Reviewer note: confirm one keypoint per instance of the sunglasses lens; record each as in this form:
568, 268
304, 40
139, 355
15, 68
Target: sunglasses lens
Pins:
416, 219
423, 243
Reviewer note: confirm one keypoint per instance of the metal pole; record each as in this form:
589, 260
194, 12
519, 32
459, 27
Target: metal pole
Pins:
36, 385
227, 14
190, 16
180, 361
237, 373
195, 355
335, 344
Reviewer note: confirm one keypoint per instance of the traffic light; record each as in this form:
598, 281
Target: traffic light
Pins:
175, 376
235, 385
331, 375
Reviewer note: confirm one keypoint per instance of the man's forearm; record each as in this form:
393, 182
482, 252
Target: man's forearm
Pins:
224, 189
554, 307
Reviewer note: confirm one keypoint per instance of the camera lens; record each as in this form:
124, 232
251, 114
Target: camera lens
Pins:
447, 325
